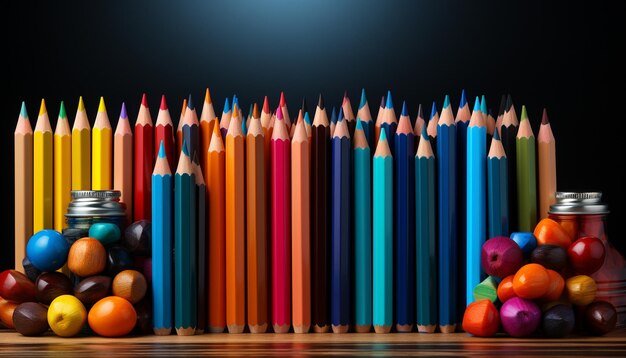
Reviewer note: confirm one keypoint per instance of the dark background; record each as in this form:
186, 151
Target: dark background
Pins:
565, 57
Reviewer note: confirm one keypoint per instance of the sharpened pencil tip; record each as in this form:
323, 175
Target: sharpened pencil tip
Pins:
305, 107
144, 100
544, 117
190, 103
509, 103
123, 113
207, 96
282, 101
446, 102
363, 98
358, 126
405, 111
227, 105
496, 134
425, 131
185, 147
81, 104
333, 115
163, 103
101, 106
340, 118
279, 113
161, 149
62, 113
483, 104
389, 103
433, 111
463, 99
42, 107
23, 111
420, 112
382, 102
320, 102
524, 115
476, 104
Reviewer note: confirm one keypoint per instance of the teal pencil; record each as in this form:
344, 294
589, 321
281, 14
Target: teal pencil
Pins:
383, 236
362, 185
185, 299
426, 238
162, 203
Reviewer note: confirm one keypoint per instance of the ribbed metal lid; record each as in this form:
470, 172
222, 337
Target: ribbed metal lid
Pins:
95, 203
579, 203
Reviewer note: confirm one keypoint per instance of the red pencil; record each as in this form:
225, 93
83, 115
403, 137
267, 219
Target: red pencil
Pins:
144, 162
281, 228
164, 131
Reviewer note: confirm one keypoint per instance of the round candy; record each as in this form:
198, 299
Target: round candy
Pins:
16, 287
138, 238
87, 257
558, 321
481, 319
30, 319
555, 287
501, 256
47, 250
112, 317
505, 289
6, 312
525, 240
118, 260
93, 289
581, 290
130, 285
531, 281
552, 257
106, 233
51, 285
31, 271
66, 316
550, 232
520, 317
586, 255
73, 234
600, 317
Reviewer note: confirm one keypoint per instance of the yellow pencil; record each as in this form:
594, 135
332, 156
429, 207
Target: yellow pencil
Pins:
42, 172
102, 138
62, 169
81, 150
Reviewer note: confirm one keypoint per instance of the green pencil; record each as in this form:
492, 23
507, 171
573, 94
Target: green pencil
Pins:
526, 175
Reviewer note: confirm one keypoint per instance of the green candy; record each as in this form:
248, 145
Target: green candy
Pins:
487, 290
106, 233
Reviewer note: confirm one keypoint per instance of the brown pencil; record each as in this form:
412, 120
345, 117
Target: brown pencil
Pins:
23, 151
547, 166
123, 162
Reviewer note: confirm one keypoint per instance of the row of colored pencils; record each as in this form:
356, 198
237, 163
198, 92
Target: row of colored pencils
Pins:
295, 224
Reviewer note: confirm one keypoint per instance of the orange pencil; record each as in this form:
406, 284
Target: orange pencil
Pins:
546, 148
123, 162
216, 192
300, 228
283, 108
256, 229
23, 137
235, 225
207, 121
179, 129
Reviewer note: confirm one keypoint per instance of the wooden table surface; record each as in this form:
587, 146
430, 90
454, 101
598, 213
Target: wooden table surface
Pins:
458, 344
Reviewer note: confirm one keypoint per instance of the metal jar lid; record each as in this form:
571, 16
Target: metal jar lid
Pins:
95, 203
579, 203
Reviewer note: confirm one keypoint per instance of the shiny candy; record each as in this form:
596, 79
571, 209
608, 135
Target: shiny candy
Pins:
47, 250
106, 233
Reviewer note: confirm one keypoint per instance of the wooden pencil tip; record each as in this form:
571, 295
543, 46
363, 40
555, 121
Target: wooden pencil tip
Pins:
23, 111
363, 101
123, 113
544, 117
42, 108
320, 102
463, 102
81, 104
266, 105
282, 101
62, 114
163, 106
101, 106
144, 100
190, 103
524, 115
207, 96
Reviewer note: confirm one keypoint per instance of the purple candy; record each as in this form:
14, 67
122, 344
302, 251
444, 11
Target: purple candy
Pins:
520, 317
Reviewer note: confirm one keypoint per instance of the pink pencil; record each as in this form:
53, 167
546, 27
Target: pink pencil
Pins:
281, 212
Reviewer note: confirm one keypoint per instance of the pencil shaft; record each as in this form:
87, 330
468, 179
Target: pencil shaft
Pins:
462, 175
216, 192
165, 134
526, 184
547, 176
62, 178
508, 136
81, 159
23, 166
201, 259
382, 221
144, 162
281, 243
162, 204
498, 193
185, 299
101, 159
42, 181
362, 236
123, 171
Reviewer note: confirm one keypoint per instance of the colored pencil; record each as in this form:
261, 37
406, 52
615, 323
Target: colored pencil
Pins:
42, 172
201, 248
419, 124
491, 126
256, 232
340, 227
253, 107
546, 147
23, 180
390, 123
225, 120
235, 226
404, 224
62, 169
244, 127
268, 127
207, 121
333, 120
299, 118
216, 193
185, 278
164, 132
144, 161
497, 189
81, 149
123, 162
484, 110
101, 152
448, 251
348, 114
508, 134
382, 221
179, 129
162, 204
320, 208
362, 199
526, 175
191, 128
426, 236
307, 121
501, 112
433, 122
282, 103
476, 196
379, 118
301, 229
281, 245
364, 114
461, 122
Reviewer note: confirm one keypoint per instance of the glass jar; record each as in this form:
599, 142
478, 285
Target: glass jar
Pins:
93, 206
584, 214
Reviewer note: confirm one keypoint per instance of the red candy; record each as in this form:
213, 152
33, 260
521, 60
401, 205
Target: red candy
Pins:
549, 232
16, 287
481, 319
586, 255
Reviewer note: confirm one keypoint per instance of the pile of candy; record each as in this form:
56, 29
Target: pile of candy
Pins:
539, 282
104, 280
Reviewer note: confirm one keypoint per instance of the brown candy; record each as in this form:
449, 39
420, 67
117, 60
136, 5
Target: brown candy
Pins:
131, 285
87, 257
51, 285
31, 319
93, 289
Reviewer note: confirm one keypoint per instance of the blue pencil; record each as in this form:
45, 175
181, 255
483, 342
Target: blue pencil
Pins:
404, 164
389, 122
448, 252
426, 236
365, 116
340, 232
191, 129
162, 204
185, 278
362, 199
433, 125
462, 121
476, 196
497, 189
382, 224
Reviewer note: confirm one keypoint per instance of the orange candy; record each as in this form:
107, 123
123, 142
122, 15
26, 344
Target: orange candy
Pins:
531, 281
555, 288
505, 289
112, 317
550, 232
6, 312
481, 319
